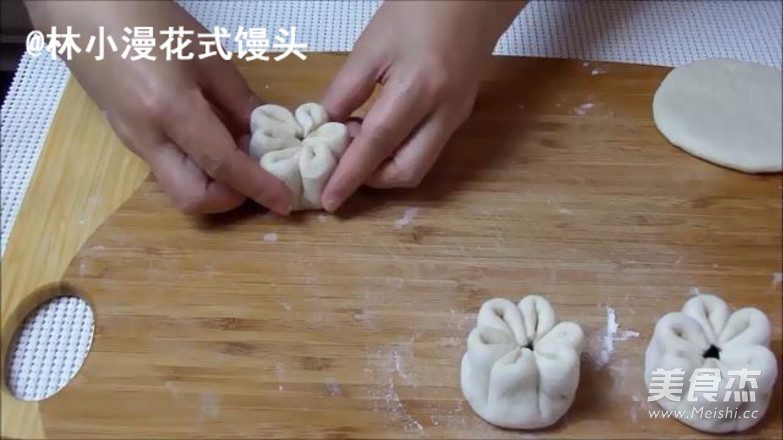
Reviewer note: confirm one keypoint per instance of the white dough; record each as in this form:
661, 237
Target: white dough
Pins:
681, 339
507, 383
724, 111
302, 150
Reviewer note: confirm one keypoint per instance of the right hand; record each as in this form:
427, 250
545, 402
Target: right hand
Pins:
429, 56
187, 119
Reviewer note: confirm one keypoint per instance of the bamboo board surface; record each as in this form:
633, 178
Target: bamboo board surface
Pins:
353, 325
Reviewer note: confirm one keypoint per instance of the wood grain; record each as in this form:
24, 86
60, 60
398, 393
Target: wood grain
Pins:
248, 325
83, 174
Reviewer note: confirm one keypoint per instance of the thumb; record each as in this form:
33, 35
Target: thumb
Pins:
351, 87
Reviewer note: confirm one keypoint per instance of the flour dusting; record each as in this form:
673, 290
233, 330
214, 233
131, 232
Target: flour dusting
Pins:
389, 401
210, 406
279, 370
389, 365
271, 237
333, 388
172, 389
777, 279
610, 336
399, 366
583, 109
406, 219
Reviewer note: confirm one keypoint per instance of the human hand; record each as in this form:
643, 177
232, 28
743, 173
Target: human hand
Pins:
188, 119
429, 58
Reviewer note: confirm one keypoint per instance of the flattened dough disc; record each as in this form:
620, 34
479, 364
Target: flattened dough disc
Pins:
724, 111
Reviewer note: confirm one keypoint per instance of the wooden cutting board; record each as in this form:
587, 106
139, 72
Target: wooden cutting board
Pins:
250, 325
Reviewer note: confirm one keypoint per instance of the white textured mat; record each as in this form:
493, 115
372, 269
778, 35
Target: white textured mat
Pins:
660, 33
50, 348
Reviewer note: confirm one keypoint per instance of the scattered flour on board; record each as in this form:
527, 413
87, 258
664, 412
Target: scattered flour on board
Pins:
333, 388
286, 306
279, 370
210, 406
322, 218
583, 109
610, 336
390, 362
407, 218
399, 367
389, 401
271, 237
598, 71
777, 279
172, 389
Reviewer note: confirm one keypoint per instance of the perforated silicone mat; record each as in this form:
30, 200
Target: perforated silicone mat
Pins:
53, 342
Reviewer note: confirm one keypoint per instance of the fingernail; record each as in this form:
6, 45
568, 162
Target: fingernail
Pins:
331, 204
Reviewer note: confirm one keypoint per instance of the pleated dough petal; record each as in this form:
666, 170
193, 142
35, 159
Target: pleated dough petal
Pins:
710, 312
521, 370
268, 139
564, 334
334, 135
678, 342
284, 164
274, 116
758, 358
503, 315
310, 116
316, 164
681, 341
744, 328
276, 130
559, 377
485, 346
513, 399
539, 317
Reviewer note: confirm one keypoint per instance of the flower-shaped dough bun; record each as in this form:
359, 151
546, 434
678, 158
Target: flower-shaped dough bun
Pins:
521, 369
705, 335
301, 149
